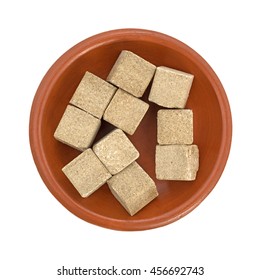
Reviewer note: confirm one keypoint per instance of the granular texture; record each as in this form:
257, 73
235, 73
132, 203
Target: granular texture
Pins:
133, 188
115, 151
170, 87
131, 73
93, 95
77, 128
177, 162
125, 111
86, 173
175, 126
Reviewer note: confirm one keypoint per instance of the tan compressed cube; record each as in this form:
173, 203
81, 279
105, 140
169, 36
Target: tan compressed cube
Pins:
115, 151
77, 128
133, 188
86, 173
125, 111
175, 126
93, 94
131, 73
177, 162
170, 87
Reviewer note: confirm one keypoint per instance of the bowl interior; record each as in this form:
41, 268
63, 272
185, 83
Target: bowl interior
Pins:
98, 55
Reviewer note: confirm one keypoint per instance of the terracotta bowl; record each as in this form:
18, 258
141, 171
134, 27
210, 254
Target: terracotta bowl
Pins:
212, 128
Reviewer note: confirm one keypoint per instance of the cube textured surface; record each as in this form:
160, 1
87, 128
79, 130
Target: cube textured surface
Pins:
175, 126
77, 128
86, 173
125, 111
131, 73
177, 162
170, 87
93, 94
115, 151
133, 188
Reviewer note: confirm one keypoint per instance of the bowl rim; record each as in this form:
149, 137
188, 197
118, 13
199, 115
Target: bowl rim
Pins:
37, 114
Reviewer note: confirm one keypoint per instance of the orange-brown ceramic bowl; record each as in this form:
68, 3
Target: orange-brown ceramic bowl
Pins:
212, 128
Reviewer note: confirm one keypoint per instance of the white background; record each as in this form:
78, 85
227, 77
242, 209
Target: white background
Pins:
38, 235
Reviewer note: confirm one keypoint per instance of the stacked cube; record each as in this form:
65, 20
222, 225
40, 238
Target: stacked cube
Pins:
176, 157
113, 158
82, 118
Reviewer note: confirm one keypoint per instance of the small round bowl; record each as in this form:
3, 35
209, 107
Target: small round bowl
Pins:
212, 128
